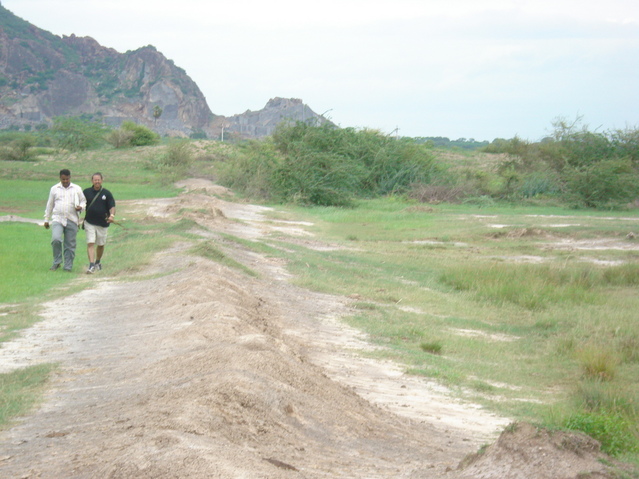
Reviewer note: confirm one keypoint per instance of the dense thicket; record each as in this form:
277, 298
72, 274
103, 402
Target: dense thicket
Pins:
325, 165
585, 168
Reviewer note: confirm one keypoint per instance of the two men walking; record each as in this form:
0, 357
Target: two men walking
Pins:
62, 214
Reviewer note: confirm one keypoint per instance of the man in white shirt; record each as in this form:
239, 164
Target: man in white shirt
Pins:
66, 201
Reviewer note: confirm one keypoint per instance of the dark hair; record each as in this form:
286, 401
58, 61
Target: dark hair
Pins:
97, 173
65, 172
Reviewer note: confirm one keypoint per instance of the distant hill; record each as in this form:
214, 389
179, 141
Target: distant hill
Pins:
260, 123
43, 76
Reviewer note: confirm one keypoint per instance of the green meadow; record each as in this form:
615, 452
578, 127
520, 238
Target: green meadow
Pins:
529, 309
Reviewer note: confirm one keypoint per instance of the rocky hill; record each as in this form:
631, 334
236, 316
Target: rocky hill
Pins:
255, 124
43, 76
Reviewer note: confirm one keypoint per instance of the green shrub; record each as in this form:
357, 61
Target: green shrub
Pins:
120, 138
592, 169
178, 155
607, 412
617, 433
20, 149
198, 134
248, 169
606, 183
539, 183
326, 165
174, 161
316, 179
142, 136
76, 134
596, 396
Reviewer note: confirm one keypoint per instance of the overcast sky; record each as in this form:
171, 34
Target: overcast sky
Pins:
480, 69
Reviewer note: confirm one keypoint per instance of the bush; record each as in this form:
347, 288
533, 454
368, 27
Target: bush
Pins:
605, 184
538, 183
141, 135
617, 433
20, 149
433, 347
178, 155
120, 138
608, 413
316, 179
249, 168
198, 134
330, 166
76, 134
174, 162
592, 169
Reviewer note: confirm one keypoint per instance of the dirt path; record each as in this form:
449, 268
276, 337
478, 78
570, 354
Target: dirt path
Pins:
193, 370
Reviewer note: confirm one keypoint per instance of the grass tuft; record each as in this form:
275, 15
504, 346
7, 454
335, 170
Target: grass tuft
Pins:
433, 347
20, 390
598, 362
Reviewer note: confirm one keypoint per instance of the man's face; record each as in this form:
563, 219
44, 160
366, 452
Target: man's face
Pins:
65, 180
97, 182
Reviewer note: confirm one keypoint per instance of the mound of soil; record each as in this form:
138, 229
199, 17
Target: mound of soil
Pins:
524, 451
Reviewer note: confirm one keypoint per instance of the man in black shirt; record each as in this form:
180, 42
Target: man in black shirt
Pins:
100, 214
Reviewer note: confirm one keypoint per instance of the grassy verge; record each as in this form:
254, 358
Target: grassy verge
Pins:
20, 390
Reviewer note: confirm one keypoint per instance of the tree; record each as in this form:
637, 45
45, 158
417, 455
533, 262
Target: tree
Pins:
157, 113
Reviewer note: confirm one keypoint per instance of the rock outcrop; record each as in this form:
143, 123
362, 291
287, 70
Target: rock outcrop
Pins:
43, 76
255, 124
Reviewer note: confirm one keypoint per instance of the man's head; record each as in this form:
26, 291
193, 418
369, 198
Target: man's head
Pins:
65, 177
96, 179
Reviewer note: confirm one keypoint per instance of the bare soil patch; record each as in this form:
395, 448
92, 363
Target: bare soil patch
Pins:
194, 370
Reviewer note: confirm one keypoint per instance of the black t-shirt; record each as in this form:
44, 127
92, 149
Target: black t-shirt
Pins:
98, 212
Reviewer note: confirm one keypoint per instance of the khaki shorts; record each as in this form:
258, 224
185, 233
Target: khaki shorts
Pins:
95, 234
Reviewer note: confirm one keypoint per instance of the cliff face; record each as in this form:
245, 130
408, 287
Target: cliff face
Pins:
43, 76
